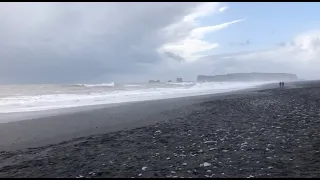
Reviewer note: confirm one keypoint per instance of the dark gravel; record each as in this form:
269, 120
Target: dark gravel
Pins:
269, 133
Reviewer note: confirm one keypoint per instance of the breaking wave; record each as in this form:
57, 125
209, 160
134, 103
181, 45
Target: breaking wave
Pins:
109, 96
112, 84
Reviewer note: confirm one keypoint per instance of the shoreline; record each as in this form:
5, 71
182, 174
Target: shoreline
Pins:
33, 129
262, 133
27, 130
29, 115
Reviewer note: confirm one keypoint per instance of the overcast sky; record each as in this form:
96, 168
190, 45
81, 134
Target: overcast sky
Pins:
123, 42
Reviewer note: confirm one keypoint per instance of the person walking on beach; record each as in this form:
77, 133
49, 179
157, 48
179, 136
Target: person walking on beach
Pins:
281, 84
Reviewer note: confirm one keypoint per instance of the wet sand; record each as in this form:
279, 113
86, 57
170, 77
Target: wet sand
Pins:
262, 133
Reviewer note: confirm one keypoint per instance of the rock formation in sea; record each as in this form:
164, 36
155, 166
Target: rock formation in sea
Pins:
179, 79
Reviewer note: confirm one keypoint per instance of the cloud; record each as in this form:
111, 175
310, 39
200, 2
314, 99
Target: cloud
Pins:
194, 43
222, 9
76, 42
100, 42
300, 56
201, 31
202, 10
85, 42
191, 43
174, 56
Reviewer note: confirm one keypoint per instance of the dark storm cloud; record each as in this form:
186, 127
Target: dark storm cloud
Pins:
73, 42
174, 56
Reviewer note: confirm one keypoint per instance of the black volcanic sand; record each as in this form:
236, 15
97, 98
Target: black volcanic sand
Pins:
269, 133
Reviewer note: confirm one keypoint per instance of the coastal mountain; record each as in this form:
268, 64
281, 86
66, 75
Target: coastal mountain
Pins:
249, 77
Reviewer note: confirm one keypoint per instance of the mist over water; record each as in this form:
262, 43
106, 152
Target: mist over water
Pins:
25, 98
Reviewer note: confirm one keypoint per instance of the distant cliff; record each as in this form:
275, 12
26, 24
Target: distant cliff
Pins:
249, 77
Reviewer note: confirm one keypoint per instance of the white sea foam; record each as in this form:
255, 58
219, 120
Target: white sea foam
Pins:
131, 85
57, 101
98, 85
181, 83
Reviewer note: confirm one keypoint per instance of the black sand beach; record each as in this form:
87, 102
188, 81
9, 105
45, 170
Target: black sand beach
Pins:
263, 133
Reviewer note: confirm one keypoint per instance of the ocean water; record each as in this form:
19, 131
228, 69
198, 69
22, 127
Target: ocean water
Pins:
26, 98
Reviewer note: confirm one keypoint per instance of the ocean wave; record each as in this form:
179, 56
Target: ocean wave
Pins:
58, 101
181, 83
112, 84
131, 85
